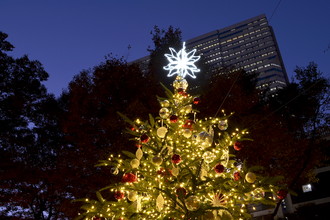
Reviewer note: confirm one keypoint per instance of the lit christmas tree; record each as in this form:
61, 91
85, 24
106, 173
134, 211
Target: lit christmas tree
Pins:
184, 167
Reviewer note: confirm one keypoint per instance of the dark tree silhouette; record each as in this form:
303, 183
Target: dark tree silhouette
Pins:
30, 138
304, 106
92, 125
163, 39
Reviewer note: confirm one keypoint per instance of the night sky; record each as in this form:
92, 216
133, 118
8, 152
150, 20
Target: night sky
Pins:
67, 36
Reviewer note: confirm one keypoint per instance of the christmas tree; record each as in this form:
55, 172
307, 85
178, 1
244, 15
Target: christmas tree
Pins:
184, 167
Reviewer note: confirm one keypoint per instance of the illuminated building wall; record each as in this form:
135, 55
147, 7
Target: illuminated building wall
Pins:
250, 45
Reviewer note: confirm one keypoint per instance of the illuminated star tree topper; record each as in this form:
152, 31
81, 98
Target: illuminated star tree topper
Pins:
182, 63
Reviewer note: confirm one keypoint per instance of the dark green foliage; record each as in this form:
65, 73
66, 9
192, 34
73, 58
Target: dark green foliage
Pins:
92, 124
305, 101
95, 97
30, 138
163, 40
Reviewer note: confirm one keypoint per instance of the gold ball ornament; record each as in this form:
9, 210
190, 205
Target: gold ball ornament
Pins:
180, 83
223, 125
157, 161
187, 133
258, 193
209, 156
132, 196
175, 171
164, 113
209, 216
192, 203
165, 103
161, 132
135, 163
250, 177
204, 138
187, 109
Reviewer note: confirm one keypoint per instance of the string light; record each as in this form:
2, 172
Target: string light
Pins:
156, 186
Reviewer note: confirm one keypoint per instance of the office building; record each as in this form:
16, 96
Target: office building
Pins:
250, 45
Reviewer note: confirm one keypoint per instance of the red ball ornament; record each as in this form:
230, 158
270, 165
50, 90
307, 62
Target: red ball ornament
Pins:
197, 100
281, 194
119, 195
219, 168
238, 146
181, 192
188, 124
176, 159
161, 171
132, 128
174, 118
164, 173
182, 92
144, 138
129, 178
237, 176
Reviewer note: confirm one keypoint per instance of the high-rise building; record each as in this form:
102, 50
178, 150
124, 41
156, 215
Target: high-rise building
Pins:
250, 45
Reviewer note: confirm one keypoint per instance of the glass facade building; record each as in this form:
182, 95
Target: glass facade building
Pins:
250, 45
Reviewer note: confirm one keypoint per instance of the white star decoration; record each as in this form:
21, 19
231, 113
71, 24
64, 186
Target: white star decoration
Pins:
182, 63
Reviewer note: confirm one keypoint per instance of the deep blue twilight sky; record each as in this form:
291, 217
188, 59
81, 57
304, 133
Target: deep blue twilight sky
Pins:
67, 36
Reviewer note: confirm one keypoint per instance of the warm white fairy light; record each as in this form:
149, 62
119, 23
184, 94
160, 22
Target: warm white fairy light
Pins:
154, 179
182, 63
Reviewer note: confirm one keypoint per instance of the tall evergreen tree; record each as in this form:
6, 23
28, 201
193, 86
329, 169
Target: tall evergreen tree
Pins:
184, 167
